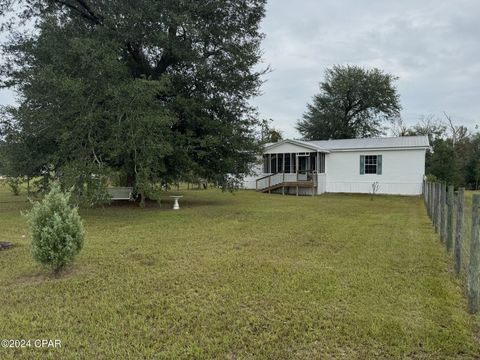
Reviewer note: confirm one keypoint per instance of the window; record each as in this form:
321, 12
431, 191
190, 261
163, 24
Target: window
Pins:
371, 164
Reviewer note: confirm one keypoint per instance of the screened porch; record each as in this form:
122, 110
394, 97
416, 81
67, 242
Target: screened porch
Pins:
293, 163
298, 173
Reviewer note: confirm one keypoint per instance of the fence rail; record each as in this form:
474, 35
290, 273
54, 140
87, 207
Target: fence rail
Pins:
455, 217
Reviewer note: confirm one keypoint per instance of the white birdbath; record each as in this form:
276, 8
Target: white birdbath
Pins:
175, 204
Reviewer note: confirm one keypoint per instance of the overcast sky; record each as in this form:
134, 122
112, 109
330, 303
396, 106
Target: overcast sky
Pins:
433, 46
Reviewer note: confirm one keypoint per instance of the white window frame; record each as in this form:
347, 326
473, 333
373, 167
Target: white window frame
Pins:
370, 164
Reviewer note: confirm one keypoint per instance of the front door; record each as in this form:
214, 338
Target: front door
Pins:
303, 167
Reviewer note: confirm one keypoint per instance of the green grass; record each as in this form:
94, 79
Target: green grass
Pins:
241, 276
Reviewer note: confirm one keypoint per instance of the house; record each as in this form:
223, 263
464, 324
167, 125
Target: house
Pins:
395, 164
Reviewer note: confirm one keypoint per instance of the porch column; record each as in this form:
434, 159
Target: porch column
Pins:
315, 188
296, 167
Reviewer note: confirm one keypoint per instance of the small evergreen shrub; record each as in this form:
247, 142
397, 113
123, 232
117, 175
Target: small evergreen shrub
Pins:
57, 230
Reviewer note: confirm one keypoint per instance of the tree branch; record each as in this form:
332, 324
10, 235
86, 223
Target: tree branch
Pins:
453, 128
167, 58
86, 13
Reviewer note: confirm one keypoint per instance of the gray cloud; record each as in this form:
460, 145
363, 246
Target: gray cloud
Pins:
7, 97
432, 46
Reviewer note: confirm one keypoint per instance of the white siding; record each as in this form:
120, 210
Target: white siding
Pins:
249, 182
402, 172
322, 183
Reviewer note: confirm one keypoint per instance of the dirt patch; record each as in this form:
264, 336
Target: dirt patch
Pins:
44, 275
5, 245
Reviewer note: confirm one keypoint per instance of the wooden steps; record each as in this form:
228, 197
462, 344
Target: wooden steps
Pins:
299, 184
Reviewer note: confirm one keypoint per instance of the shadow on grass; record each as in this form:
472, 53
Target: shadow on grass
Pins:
41, 275
166, 203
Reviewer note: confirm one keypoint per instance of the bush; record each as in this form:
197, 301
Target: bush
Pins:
57, 230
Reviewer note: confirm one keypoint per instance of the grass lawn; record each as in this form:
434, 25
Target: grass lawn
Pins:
241, 276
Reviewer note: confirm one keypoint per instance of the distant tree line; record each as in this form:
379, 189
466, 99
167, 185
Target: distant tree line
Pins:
454, 156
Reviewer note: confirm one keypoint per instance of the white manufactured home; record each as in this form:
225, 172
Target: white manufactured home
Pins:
395, 164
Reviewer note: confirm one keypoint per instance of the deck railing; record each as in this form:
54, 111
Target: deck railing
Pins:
279, 178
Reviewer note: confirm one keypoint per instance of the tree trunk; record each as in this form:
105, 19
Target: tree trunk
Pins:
130, 180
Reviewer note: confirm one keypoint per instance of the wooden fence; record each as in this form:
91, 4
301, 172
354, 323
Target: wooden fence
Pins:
456, 219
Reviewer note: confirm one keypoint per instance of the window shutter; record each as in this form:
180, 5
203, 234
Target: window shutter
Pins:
379, 164
362, 164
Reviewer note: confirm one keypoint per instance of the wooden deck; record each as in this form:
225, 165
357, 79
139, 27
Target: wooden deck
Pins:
294, 184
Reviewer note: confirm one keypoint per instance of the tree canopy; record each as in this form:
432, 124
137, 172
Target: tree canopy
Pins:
153, 91
454, 153
353, 102
268, 133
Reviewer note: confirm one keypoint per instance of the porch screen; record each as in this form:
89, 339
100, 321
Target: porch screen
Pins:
321, 163
287, 162
273, 163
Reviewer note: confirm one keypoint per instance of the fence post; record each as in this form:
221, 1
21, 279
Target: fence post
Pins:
450, 209
435, 208
443, 209
432, 215
474, 263
438, 205
439, 210
427, 204
426, 198
459, 230
423, 191
430, 200
432, 193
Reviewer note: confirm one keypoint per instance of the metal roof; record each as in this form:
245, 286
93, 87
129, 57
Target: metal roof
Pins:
373, 143
364, 143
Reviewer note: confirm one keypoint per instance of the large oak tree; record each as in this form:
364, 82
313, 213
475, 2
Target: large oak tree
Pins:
153, 91
353, 102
